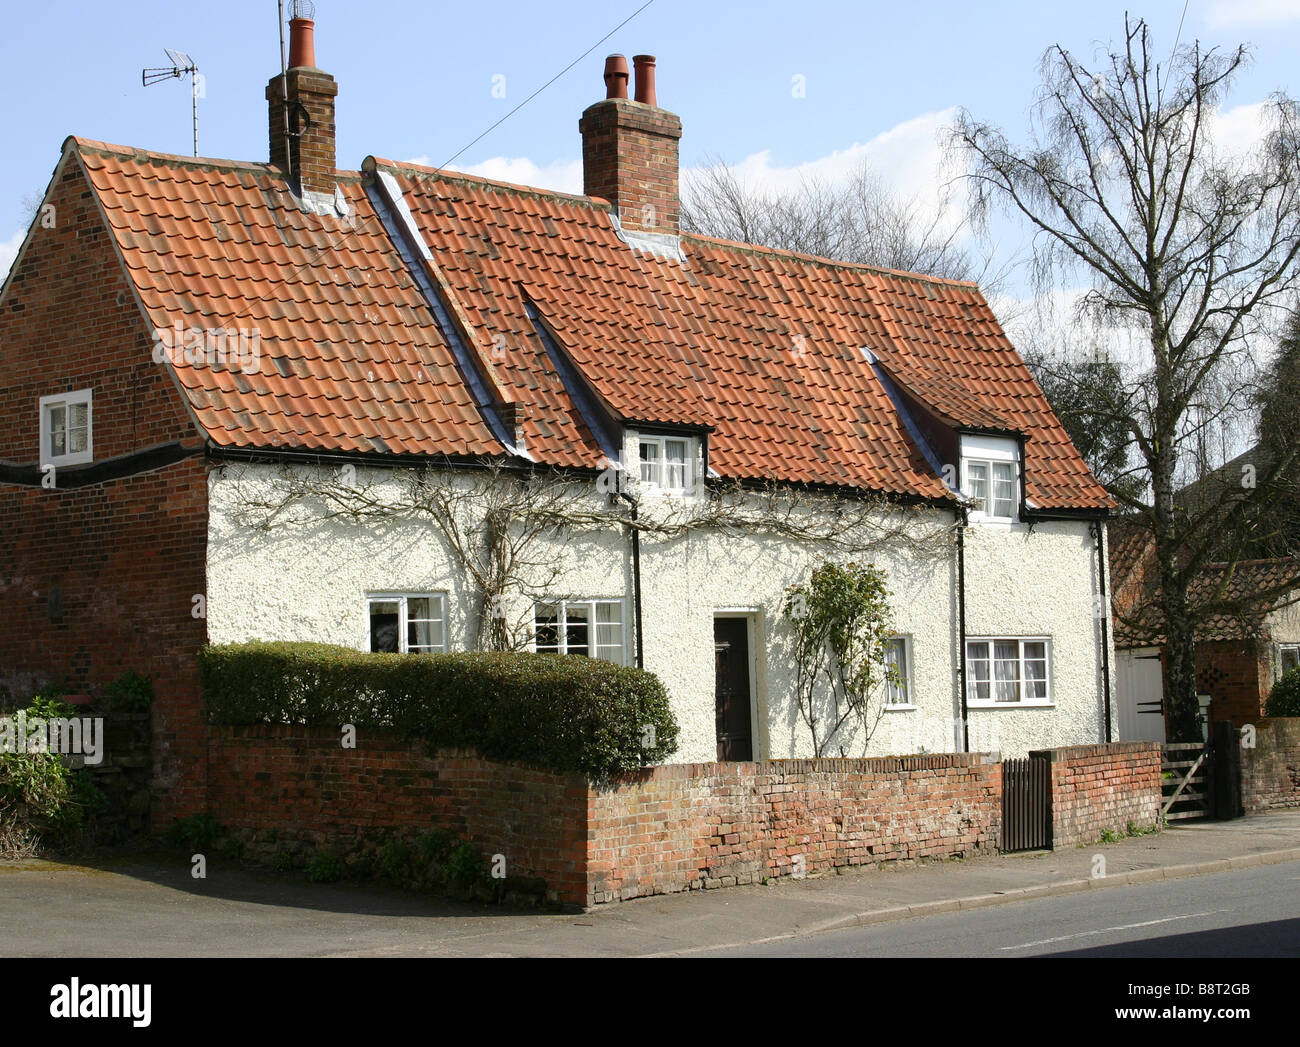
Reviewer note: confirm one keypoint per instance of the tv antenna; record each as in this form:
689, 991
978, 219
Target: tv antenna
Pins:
182, 65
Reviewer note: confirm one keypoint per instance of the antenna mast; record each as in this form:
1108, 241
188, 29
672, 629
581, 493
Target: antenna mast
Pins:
182, 65
284, 95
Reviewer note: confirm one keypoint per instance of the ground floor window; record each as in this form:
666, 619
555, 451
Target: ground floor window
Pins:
898, 656
408, 623
592, 628
1288, 658
1007, 671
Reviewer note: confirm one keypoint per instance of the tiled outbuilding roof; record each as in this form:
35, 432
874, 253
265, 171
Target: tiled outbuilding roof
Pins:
550, 305
1225, 598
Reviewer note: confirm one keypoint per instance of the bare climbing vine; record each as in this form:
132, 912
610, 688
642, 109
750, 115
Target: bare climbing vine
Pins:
500, 522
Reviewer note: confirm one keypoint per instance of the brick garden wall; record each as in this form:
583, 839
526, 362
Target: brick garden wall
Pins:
689, 826
317, 795
672, 828
1098, 787
1270, 772
677, 827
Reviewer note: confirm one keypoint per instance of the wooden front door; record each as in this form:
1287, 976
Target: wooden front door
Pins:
731, 665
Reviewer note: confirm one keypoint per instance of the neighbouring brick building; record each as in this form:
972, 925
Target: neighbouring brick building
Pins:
1243, 643
182, 337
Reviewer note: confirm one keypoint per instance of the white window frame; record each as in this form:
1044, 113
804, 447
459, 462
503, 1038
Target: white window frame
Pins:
656, 482
595, 649
900, 698
403, 619
990, 451
45, 407
1283, 649
991, 702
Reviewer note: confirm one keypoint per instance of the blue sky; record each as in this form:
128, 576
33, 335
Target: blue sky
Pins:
416, 78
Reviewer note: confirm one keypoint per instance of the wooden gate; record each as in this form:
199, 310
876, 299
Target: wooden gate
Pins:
1027, 804
1185, 781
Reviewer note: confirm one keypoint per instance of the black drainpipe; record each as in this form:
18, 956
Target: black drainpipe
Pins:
636, 577
1099, 529
961, 625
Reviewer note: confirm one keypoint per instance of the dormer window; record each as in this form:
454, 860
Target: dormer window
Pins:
65, 428
667, 463
994, 484
990, 472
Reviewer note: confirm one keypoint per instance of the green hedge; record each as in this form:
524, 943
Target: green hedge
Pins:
1284, 699
560, 712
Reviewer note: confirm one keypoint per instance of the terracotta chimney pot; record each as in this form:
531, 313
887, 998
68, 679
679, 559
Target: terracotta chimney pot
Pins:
615, 77
645, 79
302, 43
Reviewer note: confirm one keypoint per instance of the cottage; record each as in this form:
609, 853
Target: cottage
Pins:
413, 410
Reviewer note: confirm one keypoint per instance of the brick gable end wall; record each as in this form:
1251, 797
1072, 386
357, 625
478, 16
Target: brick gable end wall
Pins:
98, 580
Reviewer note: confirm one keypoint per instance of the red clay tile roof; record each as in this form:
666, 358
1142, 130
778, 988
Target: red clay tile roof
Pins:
350, 357
763, 347
1224, 597
1239, 585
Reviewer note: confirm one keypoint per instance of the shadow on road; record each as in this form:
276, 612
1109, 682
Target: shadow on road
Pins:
1280, 938
234, 882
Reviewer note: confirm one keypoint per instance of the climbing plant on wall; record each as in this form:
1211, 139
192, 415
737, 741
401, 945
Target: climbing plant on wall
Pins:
841, 622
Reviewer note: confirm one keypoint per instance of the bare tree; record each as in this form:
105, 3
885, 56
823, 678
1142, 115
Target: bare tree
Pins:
1188, 246
1082, 393
858, 220
31, 206
1270, 528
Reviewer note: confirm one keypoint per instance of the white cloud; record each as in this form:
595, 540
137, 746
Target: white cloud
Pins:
1054, 323
1225, 13
9, 251
563, 176
908, 159
1238, 130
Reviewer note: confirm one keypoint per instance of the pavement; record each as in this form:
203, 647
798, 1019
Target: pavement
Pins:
129, 905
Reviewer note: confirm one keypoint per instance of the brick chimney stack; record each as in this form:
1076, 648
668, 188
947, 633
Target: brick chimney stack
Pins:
310, 159
629, 150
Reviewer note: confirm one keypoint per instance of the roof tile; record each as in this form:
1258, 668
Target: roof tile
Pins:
763, 347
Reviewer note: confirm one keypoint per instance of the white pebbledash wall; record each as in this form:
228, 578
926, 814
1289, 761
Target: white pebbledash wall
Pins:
310, 581
1283, 624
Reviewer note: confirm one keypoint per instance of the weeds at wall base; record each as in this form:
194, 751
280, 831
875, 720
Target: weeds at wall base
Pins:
1130, 831
437, 862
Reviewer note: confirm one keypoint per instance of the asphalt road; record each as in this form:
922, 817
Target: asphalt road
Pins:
1178, 903
1247, 913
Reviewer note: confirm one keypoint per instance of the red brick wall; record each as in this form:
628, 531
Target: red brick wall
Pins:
68, 321
629, 157
1098, 787
689, 826
312, 154
1237, 674
678, 827
303, 783
670, 828
1270, 772
116, 563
